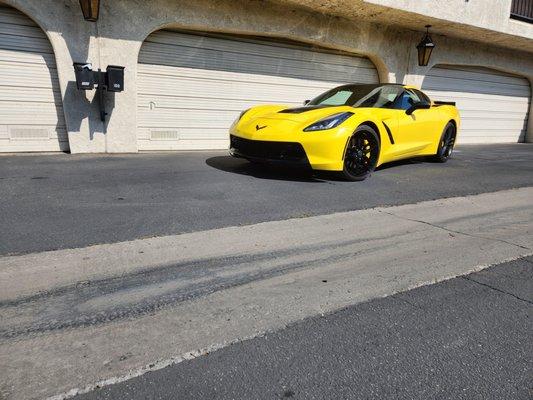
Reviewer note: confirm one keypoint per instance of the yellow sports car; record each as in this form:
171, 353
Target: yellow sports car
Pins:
351, 129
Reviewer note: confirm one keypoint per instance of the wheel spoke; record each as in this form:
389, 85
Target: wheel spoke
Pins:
362, 153
447, 142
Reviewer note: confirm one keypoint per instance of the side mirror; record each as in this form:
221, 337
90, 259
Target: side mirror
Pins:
417, 106
306, 102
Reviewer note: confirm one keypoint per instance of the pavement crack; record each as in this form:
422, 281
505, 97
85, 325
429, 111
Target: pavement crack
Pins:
457, 232
402, 299
498, 290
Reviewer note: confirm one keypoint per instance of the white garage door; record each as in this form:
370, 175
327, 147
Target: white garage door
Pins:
192, 87
494, 106
31, 114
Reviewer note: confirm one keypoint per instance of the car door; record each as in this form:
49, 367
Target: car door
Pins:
415, 128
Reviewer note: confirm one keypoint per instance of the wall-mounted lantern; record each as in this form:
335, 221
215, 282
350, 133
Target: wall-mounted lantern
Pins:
112, 81
425, 47
90, 9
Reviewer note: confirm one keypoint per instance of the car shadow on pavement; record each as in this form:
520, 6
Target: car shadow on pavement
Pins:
298, 174
263, 171
407, 161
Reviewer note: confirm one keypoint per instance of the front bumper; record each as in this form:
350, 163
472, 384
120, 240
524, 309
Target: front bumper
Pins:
287, 145
291, 153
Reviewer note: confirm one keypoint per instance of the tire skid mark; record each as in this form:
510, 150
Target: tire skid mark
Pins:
148, 291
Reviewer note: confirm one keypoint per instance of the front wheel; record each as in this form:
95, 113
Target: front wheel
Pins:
362, 153
447, 141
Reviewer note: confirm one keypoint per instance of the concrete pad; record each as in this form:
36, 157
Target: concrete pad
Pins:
72, 318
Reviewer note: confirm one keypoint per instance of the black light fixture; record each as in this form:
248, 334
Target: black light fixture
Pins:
90, 9
425, 47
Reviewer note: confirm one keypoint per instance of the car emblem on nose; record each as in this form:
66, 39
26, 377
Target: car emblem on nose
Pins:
258, 128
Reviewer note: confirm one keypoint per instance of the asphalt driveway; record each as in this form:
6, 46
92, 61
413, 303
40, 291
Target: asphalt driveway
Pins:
466, 338
66, 201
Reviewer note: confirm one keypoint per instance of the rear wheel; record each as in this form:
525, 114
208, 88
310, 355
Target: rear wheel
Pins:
362, 153
447, 141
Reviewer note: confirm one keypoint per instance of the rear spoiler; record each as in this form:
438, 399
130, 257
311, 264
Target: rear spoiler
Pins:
444, 103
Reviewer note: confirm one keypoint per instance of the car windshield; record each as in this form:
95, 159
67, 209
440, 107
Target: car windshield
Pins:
380, 96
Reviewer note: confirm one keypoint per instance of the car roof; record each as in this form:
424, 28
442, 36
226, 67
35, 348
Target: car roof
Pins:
375, 85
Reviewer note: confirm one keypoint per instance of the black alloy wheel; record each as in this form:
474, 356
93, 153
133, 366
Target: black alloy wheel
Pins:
446, 144
362, 153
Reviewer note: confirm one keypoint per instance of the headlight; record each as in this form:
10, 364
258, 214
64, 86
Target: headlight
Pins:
329, 122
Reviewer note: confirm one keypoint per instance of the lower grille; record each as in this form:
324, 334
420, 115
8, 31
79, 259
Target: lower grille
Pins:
267, 150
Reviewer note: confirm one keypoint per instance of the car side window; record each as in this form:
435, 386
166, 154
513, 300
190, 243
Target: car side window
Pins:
410, 97
422, 96
405, 101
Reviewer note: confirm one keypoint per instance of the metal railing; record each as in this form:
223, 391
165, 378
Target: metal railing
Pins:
522, 10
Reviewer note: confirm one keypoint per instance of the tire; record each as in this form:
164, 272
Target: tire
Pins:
446, 143
361, 154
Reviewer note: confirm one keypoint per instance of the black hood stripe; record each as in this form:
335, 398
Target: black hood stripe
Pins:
299, 110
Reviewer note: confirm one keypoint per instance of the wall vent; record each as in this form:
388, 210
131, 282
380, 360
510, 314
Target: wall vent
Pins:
164, 135
29, 134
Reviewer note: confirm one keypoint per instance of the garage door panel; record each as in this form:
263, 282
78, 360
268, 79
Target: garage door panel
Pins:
37, 95
31, 112
489, 115
21, 31
21, 133
25, 43
438, 94
183, 145
510, 109
295, 70
191, 133
212, 59
235, 82
189, 139
263, 96
12, 16
247, 92
245, 47
191, 87
157, 71
18, 57
166, 41
195, 103
496, 123
482, 76
35, 146
484, 103
27, 75
487, 139
478, 87
261, 65
174, 76
186, 119
198, 118
493, 105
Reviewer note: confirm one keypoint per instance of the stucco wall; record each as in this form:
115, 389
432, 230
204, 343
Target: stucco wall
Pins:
124, 24
488, 14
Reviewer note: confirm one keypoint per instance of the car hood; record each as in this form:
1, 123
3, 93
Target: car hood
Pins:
279, 122
306, 114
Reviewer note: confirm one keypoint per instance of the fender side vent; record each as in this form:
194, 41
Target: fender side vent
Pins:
389, 133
